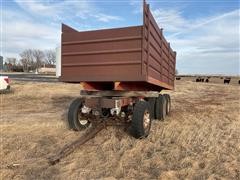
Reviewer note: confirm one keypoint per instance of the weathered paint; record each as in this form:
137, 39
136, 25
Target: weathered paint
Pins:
138, 55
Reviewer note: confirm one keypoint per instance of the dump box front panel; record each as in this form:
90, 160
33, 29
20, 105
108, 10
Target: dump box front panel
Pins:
102, 55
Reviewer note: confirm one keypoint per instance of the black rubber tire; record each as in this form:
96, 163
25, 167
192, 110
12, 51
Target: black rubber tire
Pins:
152, 103
73, 115
71, 109
168, 105
137, 127
160, 108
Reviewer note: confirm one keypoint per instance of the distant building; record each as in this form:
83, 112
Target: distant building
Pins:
1, 63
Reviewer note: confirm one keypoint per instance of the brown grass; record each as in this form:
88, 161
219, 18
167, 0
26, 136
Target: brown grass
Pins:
199, 140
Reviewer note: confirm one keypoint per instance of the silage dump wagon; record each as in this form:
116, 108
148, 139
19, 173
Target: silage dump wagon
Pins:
121, 72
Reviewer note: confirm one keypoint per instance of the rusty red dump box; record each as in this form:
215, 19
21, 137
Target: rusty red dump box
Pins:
130, 58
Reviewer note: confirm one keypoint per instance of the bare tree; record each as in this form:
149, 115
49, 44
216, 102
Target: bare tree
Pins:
12, 61
39, 57
32, 59
25, 64
50, 57
27, 59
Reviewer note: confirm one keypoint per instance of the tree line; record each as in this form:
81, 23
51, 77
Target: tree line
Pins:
31, 60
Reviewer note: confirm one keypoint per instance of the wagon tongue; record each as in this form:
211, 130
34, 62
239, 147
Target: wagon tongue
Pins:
69, 148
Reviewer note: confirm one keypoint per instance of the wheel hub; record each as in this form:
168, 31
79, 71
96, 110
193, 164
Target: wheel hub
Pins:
82, 119
146, 120
83, 122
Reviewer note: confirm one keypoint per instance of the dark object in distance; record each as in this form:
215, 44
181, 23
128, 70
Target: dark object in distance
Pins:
199, 79
227, 80
178, 78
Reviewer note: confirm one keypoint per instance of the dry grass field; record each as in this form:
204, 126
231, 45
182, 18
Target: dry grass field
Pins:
200, 139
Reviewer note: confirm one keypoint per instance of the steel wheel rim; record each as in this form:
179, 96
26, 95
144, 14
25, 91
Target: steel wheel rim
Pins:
146, 120
83, 122
168, 107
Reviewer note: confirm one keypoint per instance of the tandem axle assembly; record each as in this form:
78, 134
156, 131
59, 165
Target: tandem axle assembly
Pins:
137, 108
99, 109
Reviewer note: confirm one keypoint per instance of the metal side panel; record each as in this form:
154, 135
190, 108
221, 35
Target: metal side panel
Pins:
102, 55
159, 57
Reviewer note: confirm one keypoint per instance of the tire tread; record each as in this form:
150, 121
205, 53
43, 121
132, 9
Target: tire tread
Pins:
137, 120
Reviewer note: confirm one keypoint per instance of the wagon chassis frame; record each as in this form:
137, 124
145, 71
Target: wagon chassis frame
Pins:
114, 99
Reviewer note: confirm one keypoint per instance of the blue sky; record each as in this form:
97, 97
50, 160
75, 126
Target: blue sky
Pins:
204, 33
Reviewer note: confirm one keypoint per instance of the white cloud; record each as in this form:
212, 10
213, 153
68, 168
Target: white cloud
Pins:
171, 20
38, 24
36, 7
66, 10
205, 45
106, 18
137, 5
19, 32
193, 25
